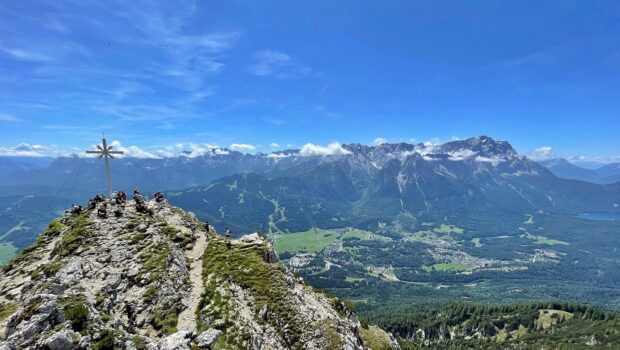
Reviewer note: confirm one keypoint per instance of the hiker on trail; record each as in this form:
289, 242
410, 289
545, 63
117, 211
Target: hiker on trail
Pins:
207, 227
102, 212
227, 236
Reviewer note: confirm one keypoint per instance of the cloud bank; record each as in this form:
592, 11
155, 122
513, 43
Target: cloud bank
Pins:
334, 148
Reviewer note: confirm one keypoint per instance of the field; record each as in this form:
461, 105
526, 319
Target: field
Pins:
449, 267
445, 228
316, 239
543, 239
547, 318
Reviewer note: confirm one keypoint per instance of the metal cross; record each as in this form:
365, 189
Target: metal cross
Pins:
104, 151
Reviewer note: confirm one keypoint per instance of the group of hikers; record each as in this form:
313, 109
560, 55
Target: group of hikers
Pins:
118, 200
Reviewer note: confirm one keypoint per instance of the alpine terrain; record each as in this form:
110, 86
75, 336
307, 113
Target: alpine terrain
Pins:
164, 280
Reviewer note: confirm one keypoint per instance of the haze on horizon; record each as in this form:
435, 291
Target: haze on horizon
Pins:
261, 77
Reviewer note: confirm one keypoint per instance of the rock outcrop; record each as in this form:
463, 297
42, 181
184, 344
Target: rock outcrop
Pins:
160, 281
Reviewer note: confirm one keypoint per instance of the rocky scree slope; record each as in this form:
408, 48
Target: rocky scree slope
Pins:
143, 282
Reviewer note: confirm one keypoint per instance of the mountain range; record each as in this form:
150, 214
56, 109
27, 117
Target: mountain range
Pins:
561, 167
388, 224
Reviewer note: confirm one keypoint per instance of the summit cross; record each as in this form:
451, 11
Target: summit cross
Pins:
104, 151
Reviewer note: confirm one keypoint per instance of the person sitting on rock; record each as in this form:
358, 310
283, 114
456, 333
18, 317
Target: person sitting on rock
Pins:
123, 197
78, 210
91, 204
137, 196
142, 207
102, 212
159, 197
120, 210
118, 199
99, 198
207, 227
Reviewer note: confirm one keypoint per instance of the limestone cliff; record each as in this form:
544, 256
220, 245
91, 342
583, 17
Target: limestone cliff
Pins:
160, 281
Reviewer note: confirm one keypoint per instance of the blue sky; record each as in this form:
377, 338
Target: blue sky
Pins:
258, 73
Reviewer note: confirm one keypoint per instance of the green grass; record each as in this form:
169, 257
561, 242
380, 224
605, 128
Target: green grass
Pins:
426, 236
165, 320
311, 241
75, 236
265, 283
351, 279
543, 239
363, 235
7, 252
316, 239
77, 314
106, 342
7, 310
154, 260
447, 267
549, 317
445, 228
375, 338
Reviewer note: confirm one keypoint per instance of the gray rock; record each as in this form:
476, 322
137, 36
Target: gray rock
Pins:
176, 341
252, 238
208, 338
58, 341
264, 313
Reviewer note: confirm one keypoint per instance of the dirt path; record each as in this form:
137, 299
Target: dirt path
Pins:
187, 318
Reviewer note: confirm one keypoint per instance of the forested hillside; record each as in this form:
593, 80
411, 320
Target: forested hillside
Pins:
550, 325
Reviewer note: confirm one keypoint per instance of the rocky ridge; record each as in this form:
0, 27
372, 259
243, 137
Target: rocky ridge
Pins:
161, 281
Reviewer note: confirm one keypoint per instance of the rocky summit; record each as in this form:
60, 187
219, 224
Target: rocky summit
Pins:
160, 280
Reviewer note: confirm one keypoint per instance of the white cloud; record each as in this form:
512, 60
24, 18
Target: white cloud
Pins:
267, 61
274, 145
379, 141
24, 55
8, 118
541, 153
278, 155
220, 151
461, 154
190, 150
333, 148
280, 64
131, 151
240, 147
28, 150
545, 150
435, 141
